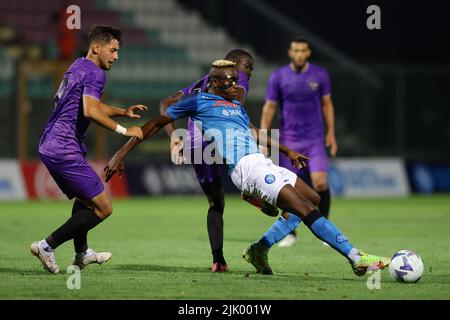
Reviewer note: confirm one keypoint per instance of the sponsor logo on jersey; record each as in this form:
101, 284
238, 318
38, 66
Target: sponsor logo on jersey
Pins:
224, 103
227, 113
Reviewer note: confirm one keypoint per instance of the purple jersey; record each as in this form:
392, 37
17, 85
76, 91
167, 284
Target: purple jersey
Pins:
300, 97
65, 130
201, 86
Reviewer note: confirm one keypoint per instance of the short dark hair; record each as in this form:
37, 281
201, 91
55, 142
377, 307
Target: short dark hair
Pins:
237, 54
299, 40
104, 34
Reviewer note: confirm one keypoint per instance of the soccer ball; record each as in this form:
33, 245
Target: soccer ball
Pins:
406, 266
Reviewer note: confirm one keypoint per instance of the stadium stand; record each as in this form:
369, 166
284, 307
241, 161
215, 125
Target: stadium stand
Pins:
165, 46
169, 43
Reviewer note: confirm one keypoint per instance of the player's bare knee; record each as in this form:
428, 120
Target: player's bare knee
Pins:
315, 199
105, 211
308, 206
109, 210
303, 207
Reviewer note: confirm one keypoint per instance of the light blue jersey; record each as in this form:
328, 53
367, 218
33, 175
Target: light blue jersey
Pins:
226, 123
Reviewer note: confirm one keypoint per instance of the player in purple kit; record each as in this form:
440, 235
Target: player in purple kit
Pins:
208, 175
303, 91
63, 152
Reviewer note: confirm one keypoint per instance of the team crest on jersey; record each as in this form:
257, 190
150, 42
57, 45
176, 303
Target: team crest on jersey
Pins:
313, 85
270, 178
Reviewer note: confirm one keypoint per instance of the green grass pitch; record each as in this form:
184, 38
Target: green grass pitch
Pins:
161, 251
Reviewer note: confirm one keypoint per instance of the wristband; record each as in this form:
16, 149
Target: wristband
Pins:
121, 130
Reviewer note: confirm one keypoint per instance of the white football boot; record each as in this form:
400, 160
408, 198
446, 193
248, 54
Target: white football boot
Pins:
45, 255
90, 256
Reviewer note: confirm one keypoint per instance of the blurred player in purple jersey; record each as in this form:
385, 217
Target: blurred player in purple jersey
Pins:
303, 91
63, 152
208, 175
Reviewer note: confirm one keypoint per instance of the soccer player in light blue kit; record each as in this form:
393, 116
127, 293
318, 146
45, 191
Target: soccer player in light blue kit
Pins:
208, 175
303, 91
225, 121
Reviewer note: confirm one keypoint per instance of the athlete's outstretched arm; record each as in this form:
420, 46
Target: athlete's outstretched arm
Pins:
241, 94
297, 159
119, 112
166, 103
267, 114
93, 111
328, 114
176, 144
148, 129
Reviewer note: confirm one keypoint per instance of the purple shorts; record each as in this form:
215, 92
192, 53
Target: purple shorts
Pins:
206, 173
314, 150
74, 177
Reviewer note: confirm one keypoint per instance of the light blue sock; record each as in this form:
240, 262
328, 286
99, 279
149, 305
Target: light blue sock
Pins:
328, 232
280, 229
